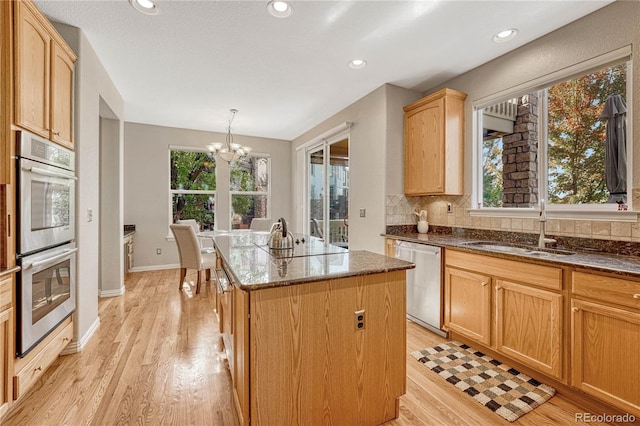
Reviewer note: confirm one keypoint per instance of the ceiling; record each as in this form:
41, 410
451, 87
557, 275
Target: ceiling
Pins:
195, 60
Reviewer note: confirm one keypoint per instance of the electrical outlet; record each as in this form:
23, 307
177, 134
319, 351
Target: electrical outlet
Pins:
158, 251
449, 208
363, 212
89, 215
359, 320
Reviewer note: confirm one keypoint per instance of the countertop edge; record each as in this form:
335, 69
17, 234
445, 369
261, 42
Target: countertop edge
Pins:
622, 265
308, 280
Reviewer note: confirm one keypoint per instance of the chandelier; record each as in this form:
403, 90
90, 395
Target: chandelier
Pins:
233, 151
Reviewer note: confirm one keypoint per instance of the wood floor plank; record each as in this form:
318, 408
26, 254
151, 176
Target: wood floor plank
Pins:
158, 359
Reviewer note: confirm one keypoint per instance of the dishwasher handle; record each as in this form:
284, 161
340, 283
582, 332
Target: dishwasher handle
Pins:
435, 250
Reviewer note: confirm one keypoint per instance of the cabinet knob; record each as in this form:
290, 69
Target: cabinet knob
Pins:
636, 296
574, 309
56, 133
38, 368
484, 283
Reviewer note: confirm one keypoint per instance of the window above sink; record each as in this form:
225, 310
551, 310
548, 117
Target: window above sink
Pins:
547, 140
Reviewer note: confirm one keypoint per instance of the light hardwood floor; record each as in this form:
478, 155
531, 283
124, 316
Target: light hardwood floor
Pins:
157, 358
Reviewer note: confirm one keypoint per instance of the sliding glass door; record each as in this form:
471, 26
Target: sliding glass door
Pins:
328, 191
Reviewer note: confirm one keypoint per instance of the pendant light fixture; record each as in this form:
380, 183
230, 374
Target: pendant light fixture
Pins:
233, 151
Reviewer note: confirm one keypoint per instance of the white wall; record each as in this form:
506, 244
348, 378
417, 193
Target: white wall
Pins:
146, 185
607, 29
111, 209
377, 122
92, 84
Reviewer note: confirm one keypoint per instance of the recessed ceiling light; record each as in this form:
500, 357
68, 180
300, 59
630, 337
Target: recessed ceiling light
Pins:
279, 8
505, 35
145, 6
357, 64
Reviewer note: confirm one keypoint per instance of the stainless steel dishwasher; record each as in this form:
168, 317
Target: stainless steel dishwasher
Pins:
424, 288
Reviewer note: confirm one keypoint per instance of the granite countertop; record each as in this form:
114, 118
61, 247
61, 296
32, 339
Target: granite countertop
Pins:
253, 268
622, 265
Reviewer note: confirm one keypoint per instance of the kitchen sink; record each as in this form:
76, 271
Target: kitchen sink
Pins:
517, 248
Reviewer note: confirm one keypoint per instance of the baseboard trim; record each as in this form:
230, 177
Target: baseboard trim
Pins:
79, 344
112, 293
154, 267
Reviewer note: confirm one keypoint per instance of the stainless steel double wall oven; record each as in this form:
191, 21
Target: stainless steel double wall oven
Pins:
46, 251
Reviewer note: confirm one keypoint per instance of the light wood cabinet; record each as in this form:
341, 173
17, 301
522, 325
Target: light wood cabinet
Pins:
61, 96
6, 106
433, 144
300, 358
29, 369
7, 339
468, 304
529, 326
513, 307
240, 371
605, 331
390, 247
43, 77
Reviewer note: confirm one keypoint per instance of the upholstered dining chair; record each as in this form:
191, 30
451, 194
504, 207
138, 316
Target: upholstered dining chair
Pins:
261, 224
206, 244
191, 256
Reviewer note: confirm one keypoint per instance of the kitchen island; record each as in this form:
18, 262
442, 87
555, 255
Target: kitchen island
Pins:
317, 336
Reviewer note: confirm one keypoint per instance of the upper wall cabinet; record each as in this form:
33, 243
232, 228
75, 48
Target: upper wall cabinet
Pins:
6, 147
433, 144
43, 77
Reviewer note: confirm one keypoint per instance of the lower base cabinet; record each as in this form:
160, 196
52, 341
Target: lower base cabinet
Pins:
6, 364
529, 326
468, 304
513, 307
605, 339
300, 357
29, 369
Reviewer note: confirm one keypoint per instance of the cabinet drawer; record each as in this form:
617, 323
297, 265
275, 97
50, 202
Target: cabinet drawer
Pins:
513, 270
25, 378
604, 288
6, 291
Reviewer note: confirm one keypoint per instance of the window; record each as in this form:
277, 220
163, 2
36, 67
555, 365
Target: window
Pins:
193, 186
249, 190
552, 144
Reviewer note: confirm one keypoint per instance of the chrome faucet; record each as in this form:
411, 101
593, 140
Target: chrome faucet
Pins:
542, 240
543, 223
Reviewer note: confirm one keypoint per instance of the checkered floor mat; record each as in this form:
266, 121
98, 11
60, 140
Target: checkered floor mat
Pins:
500, 388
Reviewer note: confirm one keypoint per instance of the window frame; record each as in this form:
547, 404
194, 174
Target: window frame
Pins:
554, 211
171, 191
265, 193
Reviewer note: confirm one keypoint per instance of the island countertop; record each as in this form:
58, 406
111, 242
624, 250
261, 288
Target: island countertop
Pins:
252, 267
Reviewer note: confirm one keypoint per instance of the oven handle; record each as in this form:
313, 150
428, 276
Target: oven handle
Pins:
65, 253
43, 172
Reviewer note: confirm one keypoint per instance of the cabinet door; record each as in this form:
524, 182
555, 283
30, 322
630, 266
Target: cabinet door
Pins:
240, 373
61, 97
604, 353
467, 304
31, 72
6, 102
6, 359
7, 337
424, 150
529, 326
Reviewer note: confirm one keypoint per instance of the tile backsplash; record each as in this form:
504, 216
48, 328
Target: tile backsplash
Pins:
400, 208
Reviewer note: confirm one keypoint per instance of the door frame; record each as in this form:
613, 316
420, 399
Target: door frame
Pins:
340, 132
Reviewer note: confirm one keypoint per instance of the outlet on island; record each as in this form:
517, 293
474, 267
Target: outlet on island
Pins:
158, 251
